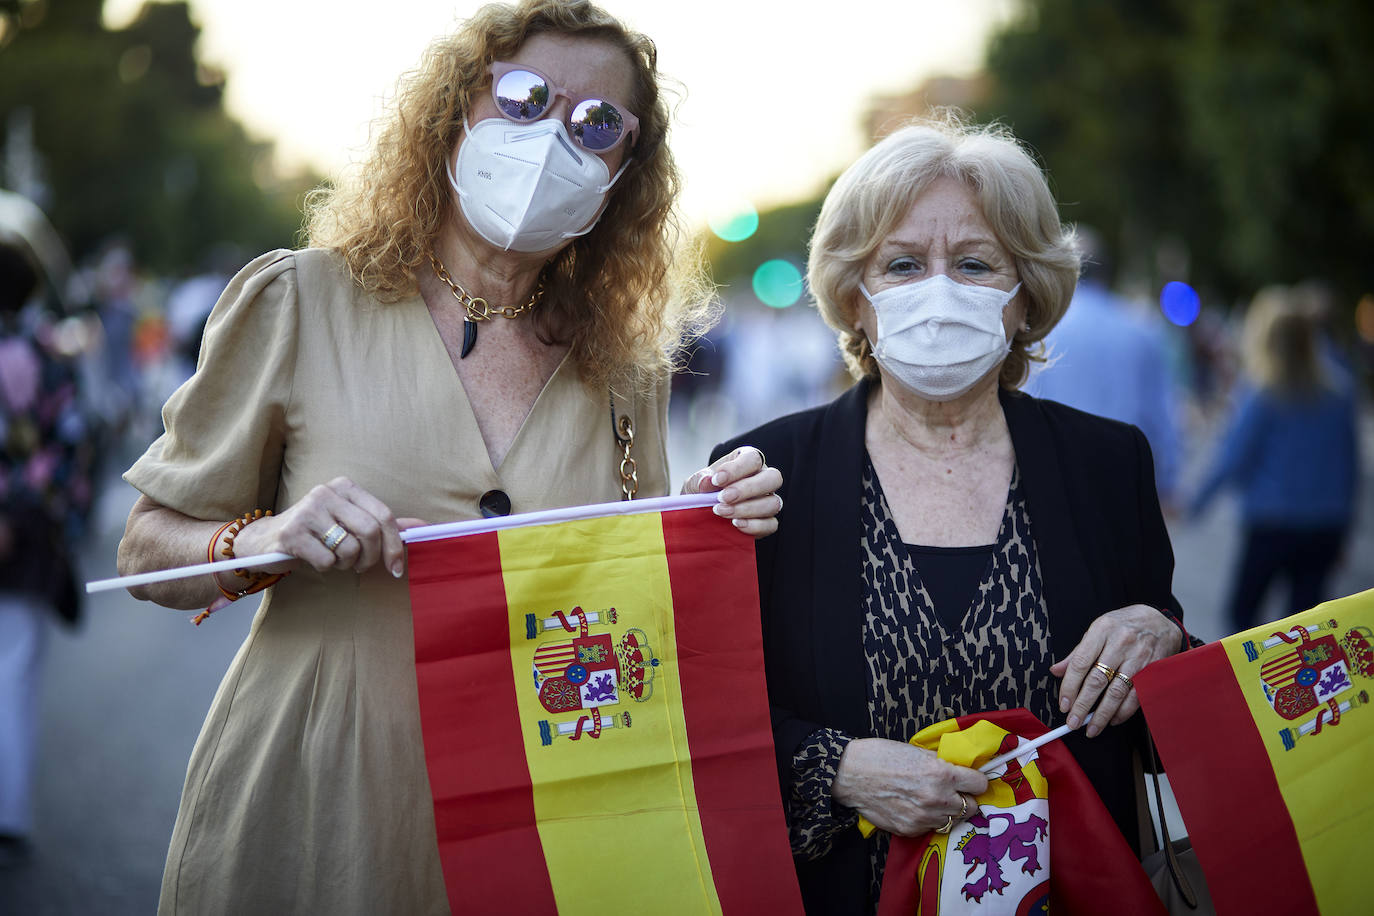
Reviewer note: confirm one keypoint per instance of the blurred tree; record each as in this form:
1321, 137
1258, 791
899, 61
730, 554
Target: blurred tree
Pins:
1227, 143
1279, 101
132, 136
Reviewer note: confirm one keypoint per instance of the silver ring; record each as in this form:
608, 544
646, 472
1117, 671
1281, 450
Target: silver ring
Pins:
1130, 684
334, 537
947, 826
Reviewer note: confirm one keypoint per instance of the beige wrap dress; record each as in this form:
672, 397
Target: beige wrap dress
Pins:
307, 790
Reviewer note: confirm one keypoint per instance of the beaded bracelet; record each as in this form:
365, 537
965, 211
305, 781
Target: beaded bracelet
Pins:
257, 581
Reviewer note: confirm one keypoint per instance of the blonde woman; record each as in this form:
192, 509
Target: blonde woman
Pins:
1291, 453
483, 307
948, 546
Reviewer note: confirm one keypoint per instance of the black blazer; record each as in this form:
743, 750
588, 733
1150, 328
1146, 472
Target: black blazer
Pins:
1099, 535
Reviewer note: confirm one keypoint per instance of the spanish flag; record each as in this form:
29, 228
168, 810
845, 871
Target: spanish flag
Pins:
1267, 737
1001, 860
594, 713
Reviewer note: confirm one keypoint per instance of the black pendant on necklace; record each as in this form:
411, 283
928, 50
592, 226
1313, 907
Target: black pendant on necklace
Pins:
469, 337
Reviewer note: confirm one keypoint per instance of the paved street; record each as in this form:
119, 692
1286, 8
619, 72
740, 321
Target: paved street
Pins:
125, 695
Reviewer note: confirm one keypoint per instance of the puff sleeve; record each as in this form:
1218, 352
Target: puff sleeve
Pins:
225, 428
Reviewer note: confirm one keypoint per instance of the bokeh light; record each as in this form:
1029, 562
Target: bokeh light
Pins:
1364, 318
778, 283
1180, 303
735, 221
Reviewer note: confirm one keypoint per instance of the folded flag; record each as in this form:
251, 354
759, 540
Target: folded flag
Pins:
595, 718
1266, 738
1004, 860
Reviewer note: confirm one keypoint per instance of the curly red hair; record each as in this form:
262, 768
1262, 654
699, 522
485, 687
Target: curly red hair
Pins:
625, 296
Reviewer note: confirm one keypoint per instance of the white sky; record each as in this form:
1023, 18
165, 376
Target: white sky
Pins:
312, 74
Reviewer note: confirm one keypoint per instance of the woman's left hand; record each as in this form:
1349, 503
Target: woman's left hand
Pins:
1123, 642
748, 490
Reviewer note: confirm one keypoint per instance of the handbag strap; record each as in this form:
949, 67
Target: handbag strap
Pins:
1181, 882
623, 428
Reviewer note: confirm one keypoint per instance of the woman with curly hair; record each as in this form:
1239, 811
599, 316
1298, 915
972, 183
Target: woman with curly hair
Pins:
485, 321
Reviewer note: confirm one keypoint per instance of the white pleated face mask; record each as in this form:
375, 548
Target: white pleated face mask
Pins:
528, 187
938, 337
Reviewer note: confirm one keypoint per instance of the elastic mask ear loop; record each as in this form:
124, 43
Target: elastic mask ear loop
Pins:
620, 171
601, 190
448, 163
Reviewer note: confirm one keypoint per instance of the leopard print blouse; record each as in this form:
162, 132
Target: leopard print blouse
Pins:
921, 670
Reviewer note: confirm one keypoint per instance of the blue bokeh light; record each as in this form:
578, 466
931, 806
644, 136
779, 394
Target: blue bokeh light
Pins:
778, 283
1180, 303
736, 222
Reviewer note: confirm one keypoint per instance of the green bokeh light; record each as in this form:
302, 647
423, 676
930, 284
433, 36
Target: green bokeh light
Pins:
736, 222
778, 283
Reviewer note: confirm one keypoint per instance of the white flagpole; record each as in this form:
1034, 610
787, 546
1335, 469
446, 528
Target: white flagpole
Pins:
991, 766
571, 513
185, 572
428, 533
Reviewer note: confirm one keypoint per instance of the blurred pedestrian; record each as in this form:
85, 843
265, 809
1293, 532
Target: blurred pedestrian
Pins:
1108, 359
1291, 452
115, 282
45, 492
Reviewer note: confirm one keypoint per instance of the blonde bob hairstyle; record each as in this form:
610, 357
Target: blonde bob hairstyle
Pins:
623, 297
1280, 344
877, 192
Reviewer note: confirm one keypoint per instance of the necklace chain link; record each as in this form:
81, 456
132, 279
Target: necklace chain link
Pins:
477, 308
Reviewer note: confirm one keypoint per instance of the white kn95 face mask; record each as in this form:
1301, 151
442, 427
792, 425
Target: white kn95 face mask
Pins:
528, 187
939, 337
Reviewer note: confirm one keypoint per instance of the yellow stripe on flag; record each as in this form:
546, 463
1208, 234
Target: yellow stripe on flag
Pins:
1321, 772
611, 805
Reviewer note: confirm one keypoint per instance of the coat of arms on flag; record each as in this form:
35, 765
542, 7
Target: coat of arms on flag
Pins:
594, 714
1313, 673
1267, 739
1001, 861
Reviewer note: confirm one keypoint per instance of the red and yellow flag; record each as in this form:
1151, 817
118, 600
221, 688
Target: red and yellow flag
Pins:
1267, 737
595, 717
1002, 860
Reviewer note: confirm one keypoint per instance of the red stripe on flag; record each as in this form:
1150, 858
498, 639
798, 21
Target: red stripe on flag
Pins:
484, 806
1220, 773
725, 699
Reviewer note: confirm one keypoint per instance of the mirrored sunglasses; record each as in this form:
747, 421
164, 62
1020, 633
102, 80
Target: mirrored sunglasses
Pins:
523, 94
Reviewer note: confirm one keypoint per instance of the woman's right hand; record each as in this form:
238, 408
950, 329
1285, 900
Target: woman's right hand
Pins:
372, 533
904, 789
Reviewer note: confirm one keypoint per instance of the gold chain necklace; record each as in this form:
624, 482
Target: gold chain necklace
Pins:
476, 309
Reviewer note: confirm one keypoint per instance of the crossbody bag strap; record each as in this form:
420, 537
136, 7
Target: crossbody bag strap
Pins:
1185, 887
623, 428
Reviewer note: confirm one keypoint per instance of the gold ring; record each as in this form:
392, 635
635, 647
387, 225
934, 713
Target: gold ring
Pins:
334, 537
963, 808
947, 826
1110, 672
